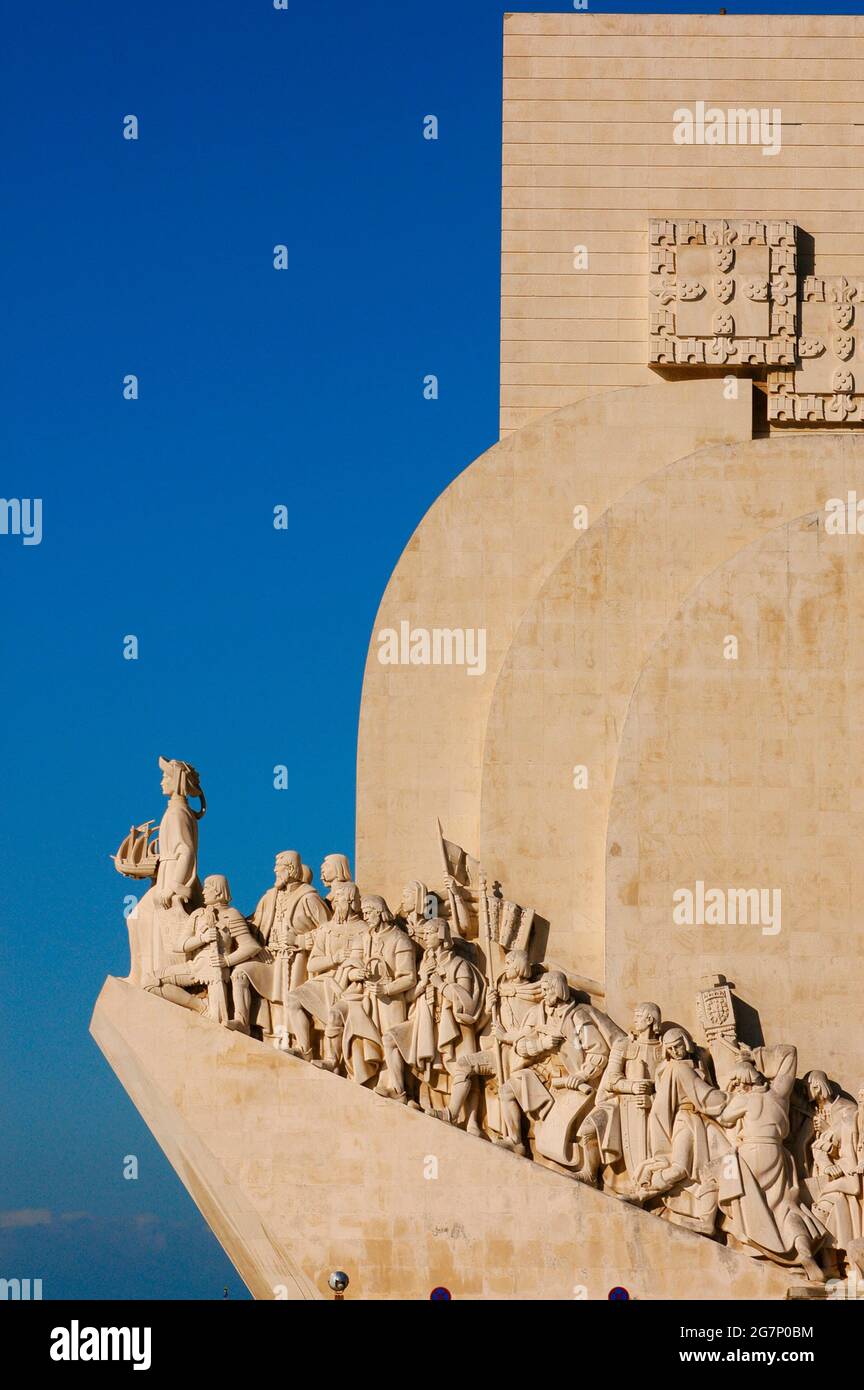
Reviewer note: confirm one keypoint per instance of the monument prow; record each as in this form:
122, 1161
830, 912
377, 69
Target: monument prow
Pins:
299, 1173
619, 658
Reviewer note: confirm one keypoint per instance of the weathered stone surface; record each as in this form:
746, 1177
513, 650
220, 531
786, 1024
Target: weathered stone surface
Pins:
589, 159
479, 557
550, 675
300, 1173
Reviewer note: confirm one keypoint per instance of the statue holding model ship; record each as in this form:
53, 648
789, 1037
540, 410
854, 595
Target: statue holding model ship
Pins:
449, 1010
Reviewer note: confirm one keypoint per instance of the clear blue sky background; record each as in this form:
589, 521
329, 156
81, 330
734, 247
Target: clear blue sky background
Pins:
257, 388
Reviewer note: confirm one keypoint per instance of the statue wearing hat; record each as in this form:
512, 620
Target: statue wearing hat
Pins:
159, 924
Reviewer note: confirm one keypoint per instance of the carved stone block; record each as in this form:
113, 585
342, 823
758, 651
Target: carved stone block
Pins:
715, 1009
826, 385
722, 293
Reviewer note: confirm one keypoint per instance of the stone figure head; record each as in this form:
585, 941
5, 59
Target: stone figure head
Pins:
413, 899
819, 1088
181, 779
216, 891
744, 1077
677, 1044
517, 966
434, 934
288, 868
855, 1254
646, 1019
375, 911
554, 987
335, 869
345, 896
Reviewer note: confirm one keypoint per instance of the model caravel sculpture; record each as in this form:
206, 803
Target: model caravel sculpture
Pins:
138, 855
442, 1007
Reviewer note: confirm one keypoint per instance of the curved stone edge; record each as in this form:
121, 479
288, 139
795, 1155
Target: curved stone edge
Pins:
541, 832
225, 1207
800, 996
476, 560
299, 1173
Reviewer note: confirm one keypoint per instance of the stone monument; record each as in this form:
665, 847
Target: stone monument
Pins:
617, 664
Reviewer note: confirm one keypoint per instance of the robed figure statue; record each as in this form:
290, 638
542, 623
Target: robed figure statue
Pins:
159, 924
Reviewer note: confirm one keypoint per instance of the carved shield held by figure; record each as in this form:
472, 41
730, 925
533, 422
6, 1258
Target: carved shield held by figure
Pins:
555, 1134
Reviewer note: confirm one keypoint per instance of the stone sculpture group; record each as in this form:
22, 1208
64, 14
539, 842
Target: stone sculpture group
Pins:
441, 1006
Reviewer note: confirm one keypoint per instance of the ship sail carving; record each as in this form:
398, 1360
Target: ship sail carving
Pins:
138, 855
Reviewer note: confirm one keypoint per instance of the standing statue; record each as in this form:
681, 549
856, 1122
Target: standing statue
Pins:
760, 1201
374, 999
684, 1147
171, 861
335, 961
836, 1183
825, 1113
538, 1059
513, 996
517, 991
413, 908
446, 1005
285, 920
218, 939
615, 1133
391, 966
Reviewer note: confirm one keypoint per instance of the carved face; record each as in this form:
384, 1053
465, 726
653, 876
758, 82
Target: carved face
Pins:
677, 1049
167, 783
287, 869
552, 988
818, 1089
407, 903
644, 1019
371, 913
213, 891
512, 966
343, 897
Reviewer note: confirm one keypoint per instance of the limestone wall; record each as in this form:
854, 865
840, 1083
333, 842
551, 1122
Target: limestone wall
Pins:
477, 560
588, 158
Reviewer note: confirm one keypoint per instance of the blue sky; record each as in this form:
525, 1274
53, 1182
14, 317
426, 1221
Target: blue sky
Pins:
257, 388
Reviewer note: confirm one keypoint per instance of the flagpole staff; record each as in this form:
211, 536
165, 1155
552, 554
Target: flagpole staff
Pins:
454, 910
493, 983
